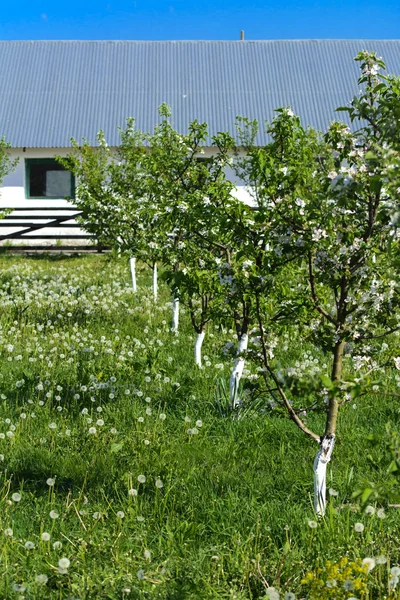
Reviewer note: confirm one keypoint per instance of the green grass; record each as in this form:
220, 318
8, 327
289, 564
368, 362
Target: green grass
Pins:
231, 517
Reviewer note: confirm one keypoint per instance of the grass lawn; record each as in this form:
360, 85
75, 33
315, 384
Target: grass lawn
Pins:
124, 476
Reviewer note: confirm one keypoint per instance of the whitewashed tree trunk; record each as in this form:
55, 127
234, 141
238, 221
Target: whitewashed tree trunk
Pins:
321, 460
132, 263
237, 370
119, 252
197, 348
155, 282
175, 315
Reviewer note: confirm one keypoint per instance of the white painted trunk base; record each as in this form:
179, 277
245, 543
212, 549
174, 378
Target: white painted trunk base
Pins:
175, 315
132, 263
321, 460
237, 371
155, 283
197, 348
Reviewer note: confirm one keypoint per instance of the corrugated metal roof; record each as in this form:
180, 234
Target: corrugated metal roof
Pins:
51, 91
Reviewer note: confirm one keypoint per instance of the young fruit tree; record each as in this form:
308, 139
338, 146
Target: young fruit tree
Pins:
325, 261
113, 193
189, 185
7, 165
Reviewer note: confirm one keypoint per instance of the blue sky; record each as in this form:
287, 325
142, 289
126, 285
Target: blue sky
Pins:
198, 20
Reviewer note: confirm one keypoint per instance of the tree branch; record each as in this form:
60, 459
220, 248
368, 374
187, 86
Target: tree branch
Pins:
314, 297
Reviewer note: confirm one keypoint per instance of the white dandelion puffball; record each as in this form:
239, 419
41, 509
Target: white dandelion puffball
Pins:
359, 527
64, 563
313, 524
369, 563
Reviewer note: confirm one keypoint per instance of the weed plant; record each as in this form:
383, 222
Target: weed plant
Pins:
124, 474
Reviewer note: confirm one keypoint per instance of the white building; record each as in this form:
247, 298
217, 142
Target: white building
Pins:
54, 90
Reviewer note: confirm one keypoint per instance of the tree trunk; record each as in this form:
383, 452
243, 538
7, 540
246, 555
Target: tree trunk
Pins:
197, 347
155, 282
321, 460
237, 371
175, 315
132, 262
327, 443
119, 251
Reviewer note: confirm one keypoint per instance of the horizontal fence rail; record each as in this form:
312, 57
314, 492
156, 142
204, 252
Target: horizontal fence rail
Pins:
38, 218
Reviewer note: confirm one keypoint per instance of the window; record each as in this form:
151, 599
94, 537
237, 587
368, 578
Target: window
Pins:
46, 178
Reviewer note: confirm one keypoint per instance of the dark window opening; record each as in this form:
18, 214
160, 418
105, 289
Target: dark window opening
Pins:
46, 178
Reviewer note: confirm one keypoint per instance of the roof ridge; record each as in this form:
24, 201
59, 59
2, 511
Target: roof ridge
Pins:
266, 41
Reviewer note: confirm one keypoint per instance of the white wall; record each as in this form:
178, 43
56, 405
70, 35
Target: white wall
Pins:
12, 194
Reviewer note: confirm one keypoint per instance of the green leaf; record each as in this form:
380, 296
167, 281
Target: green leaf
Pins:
366, 494
327, 381
115, 448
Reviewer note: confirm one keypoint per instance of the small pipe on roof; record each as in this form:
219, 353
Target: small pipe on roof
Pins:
242, 34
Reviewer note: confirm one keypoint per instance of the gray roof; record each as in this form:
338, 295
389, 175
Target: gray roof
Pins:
53, 90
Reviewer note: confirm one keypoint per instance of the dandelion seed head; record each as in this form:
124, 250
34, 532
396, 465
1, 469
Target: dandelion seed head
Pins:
313, 524
272, 594
64, 563
348, 585
369, 563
